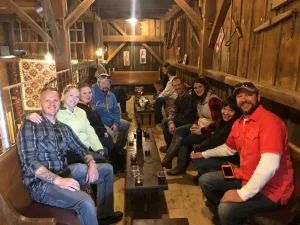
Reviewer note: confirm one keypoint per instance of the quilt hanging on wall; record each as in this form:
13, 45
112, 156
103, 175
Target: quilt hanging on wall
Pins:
35, 74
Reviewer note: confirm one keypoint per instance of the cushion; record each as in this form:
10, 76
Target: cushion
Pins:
62, 216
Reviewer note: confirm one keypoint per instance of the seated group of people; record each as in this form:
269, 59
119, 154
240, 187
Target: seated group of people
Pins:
66, 144
236, 131
69, 144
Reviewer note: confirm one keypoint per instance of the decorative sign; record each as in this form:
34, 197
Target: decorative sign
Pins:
142, 56
219, 40
40, 73
126, 58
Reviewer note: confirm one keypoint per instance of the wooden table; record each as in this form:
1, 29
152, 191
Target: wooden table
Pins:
149, 170
174, 221
145, 115
138, 199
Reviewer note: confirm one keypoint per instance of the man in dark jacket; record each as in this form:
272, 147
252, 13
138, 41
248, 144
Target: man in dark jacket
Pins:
180, 113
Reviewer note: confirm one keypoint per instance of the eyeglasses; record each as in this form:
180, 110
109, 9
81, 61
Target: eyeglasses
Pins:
57, 134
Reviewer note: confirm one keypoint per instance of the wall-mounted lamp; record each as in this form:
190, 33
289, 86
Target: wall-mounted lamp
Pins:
48, 56
99, 52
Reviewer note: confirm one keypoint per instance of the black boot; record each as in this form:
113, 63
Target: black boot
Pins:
182, 162
171, 152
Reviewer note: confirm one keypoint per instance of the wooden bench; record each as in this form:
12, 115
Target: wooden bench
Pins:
134, 77
16, 205
174, 221
287, 213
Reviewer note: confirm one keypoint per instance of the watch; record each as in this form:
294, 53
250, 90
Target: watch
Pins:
88, 162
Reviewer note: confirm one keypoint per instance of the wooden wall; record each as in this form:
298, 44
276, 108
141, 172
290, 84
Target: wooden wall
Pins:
147, 27
270, 57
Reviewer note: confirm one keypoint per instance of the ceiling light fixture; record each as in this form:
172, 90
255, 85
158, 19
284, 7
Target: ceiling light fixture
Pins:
132, 21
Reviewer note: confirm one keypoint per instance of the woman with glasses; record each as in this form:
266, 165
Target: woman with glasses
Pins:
229, 114
77, 119
118, 91
208, 107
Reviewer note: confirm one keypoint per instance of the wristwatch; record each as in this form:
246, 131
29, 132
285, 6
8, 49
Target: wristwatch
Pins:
88, 162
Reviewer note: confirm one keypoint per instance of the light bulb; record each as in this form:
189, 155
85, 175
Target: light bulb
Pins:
48, 56
132, 21
99, 52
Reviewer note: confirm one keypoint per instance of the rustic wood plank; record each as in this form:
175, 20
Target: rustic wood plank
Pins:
149, 49
236, 8
80, 9
8, 59
219, 21
115, 52
289, 57
256, 40
173, 13
243, 51
194, 32
193, 69
189, 12
276, 94
117, 27
206, 53
145, 27
279, 3
169, 39
130, 38
27, 19
152, 28
225, 49
275, 20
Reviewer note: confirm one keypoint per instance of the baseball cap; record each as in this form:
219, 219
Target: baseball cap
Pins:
104, 77
245, 85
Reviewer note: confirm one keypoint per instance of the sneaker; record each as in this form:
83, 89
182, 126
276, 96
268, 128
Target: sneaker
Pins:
116, 217
163, 149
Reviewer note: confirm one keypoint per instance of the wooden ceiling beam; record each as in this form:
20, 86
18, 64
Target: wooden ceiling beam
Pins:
190, 12
80, 9
149, 49
129, 38
51, 20
218, 23
27, 19
115, 52
117, 27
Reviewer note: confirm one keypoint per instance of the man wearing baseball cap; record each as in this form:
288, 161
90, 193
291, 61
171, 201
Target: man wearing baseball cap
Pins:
106, 105
264, 180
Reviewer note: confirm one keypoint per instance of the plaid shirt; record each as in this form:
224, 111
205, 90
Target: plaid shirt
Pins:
45, 144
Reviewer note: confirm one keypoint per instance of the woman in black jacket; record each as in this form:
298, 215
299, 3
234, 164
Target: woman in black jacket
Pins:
229, 114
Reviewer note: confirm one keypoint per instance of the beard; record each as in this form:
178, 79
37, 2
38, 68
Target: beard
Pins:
251, 109
105, 90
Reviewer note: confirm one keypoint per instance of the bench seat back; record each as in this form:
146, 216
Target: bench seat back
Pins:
134, 77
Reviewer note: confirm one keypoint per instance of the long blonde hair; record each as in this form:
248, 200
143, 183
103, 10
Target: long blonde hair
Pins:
67, 89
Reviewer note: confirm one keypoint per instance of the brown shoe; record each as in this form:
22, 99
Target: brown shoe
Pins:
125, 116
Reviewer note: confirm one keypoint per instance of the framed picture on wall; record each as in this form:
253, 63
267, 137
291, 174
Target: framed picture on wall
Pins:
184, 59
126, 58
142, 56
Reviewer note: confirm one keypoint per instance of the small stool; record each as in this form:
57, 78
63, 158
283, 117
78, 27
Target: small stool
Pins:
174, 221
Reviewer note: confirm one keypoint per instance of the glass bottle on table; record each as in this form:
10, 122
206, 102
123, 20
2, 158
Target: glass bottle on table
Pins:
139, 136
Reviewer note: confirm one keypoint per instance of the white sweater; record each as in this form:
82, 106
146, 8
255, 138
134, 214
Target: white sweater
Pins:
169, 90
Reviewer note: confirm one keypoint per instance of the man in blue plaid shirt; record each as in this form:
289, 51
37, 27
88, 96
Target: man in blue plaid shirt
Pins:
42, 149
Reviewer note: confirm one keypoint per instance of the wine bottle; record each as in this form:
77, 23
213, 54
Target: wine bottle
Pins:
139, 136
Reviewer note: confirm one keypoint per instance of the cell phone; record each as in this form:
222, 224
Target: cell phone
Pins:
228, 172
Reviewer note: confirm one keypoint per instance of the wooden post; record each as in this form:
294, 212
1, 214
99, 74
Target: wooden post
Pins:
63, 58
206, 53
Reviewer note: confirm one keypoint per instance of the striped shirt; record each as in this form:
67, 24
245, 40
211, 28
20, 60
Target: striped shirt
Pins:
45, 144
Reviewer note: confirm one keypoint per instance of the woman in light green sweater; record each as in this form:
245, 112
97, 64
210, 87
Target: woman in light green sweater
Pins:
76, 118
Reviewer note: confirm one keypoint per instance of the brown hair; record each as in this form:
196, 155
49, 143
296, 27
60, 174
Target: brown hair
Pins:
83, 85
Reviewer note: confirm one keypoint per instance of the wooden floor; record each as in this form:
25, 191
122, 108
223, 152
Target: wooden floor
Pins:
184, 199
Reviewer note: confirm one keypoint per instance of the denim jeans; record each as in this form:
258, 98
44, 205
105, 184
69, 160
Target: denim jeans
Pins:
188, 138
123, 133
203, 165
159, 101
109, 144
165, 127
214, 186
80, 201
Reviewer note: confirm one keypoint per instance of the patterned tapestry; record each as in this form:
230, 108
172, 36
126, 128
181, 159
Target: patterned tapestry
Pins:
36, 74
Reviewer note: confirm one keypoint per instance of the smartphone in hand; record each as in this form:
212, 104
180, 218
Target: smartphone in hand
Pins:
228, 172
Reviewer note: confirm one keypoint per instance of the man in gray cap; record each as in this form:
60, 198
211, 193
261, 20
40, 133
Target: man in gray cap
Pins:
106, 105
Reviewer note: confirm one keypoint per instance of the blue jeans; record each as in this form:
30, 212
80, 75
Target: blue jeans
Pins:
159, 101
165, 127
108, 143
203, 165
123, 133
214, 186
80, 201
189, 139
